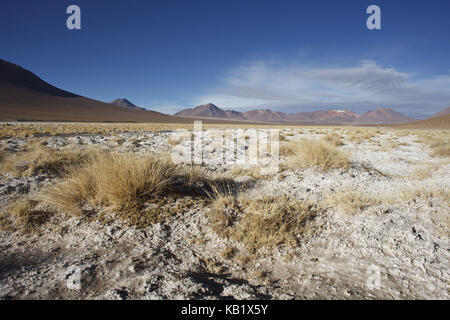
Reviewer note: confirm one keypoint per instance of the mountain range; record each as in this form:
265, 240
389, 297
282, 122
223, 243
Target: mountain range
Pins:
376, 116
25, 96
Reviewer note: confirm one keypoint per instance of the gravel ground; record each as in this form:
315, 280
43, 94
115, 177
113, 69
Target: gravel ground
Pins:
388, 251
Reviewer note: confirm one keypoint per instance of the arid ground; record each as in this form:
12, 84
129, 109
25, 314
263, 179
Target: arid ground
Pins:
100, 211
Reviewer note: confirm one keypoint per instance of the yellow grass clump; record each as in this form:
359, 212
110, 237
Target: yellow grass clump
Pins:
333, 139
355, 201
438, 141
112, 179
351, 201
425, 193
24, 214
425, 172
37, 158
360, 135
261, 222
138, 188
441, 148
252, 171
307, 153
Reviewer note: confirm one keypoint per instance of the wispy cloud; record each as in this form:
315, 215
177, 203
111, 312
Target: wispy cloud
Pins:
165, 107
264, 84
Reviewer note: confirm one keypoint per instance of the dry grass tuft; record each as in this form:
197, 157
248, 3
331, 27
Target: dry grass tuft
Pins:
138, 188
252, 171
25, 215
114, 180
425, 172
403, 133
351, 201
425, 193
119, 140
179, 137
37, 159
355, 201
438, 141
441, 148
228, 253
262, 222
5, 222
211, 265
307, 153
333, 139
360, 135
156, 210
260, 276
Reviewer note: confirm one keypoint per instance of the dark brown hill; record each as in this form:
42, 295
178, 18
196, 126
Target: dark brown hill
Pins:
25, 96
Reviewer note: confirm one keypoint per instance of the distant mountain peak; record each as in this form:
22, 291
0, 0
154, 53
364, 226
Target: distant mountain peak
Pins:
125, 103
383, 115
209, 110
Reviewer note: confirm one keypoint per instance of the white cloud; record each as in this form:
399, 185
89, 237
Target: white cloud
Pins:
230, 100
165, 107
271, 85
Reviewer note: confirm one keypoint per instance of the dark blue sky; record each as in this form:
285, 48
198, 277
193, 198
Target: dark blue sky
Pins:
285, 55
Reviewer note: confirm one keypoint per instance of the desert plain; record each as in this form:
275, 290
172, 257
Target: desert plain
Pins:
101, 211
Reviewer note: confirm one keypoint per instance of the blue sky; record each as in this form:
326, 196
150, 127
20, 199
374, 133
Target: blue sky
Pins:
285, 55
